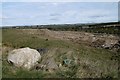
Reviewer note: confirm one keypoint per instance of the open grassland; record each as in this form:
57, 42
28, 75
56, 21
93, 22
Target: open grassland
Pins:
93, 62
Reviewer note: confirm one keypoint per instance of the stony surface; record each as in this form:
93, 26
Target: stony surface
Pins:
100, 40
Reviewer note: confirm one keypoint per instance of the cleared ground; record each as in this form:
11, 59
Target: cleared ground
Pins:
86, 61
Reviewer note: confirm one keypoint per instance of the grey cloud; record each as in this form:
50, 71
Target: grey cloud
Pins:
55, 14
54, 19
97, 16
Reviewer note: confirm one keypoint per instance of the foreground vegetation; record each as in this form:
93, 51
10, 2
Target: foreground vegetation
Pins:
94, 62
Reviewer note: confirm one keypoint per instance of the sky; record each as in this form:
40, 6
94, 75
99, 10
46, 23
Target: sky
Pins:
39, 13
60, 0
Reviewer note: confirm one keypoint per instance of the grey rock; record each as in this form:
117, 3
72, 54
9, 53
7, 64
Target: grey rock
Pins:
24, 57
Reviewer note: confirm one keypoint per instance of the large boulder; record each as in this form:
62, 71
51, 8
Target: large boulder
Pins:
24, 57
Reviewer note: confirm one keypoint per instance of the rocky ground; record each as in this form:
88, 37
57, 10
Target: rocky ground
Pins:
107, 41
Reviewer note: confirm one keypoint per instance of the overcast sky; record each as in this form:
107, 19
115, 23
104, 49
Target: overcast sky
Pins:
36, 13
60, 0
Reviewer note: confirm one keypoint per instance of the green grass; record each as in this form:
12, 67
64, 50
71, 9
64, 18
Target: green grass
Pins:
93, 62
16, 39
